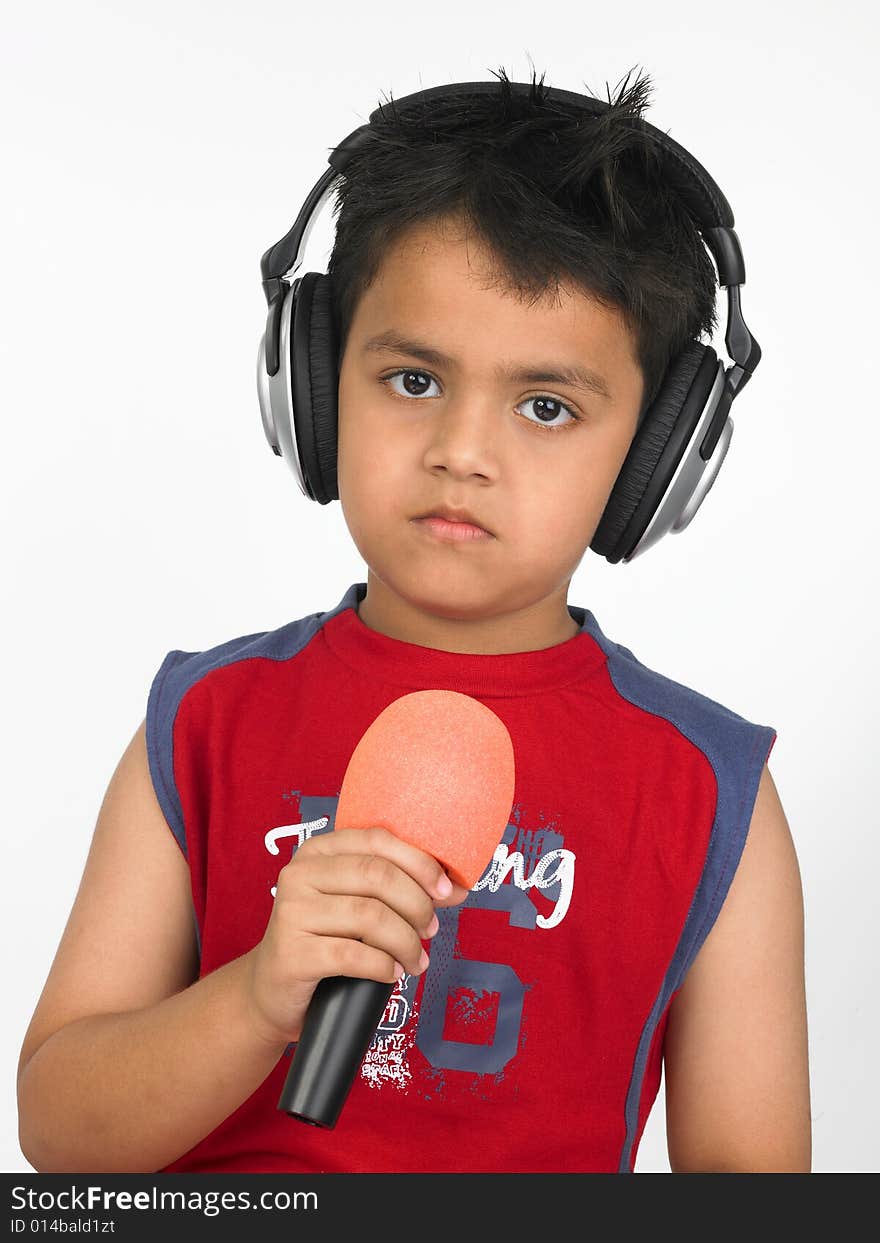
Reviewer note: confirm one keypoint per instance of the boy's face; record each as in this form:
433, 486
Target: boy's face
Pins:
461, 433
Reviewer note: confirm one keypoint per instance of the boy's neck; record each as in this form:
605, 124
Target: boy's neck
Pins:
542, 624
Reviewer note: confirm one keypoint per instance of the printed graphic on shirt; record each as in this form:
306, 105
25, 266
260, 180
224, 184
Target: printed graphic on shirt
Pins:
471, 1015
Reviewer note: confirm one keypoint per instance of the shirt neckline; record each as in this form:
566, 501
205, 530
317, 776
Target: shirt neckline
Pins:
413, 666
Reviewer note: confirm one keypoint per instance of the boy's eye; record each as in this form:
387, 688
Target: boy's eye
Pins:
551, 406
414, 387
415, 383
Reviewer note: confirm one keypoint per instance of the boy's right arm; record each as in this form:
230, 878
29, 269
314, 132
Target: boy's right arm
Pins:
124, 1067
127, 1062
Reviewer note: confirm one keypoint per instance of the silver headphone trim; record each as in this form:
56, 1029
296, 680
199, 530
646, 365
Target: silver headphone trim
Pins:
307, 231
276, 398
276, 392
693, 477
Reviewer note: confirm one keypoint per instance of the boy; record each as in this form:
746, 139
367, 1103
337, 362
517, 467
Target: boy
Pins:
645, 902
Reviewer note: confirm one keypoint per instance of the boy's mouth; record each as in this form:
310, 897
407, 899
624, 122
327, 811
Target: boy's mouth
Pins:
450, 523
453, 530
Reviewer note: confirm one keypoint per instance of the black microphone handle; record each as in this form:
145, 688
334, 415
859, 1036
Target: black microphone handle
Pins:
340, 1023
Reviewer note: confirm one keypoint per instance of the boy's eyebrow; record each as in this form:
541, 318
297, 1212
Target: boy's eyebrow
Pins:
551, 373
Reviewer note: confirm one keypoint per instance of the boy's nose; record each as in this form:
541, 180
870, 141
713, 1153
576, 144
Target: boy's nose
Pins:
464, 440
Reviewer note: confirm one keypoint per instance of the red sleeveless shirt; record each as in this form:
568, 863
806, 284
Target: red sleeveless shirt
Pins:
533, 1042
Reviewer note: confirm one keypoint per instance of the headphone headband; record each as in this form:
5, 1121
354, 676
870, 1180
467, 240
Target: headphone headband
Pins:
697, 189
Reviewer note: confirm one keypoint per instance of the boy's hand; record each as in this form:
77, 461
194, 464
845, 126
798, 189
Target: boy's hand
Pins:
354, 902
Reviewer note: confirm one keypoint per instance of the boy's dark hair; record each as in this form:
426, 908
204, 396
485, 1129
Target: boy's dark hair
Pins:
557, 196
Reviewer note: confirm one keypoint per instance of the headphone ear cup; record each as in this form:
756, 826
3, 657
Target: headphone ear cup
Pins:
669, 423
315, 372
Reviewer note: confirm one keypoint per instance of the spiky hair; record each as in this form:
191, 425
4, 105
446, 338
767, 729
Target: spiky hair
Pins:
559, 197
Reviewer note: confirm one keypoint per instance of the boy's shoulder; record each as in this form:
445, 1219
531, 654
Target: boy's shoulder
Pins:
184, 680
661, 694
181, 669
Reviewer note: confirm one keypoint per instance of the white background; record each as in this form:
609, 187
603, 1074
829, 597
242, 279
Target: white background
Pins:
151, 153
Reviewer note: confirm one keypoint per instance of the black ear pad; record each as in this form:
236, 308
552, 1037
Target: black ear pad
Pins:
665, 432
315, 371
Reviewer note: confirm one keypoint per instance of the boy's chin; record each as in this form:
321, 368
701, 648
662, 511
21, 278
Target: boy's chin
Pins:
458, 605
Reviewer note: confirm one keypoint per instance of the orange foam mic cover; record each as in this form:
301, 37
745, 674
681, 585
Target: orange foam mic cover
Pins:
435, 768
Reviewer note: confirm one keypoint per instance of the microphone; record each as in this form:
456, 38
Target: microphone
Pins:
435, 768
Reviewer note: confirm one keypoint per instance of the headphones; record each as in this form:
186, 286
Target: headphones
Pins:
682, 439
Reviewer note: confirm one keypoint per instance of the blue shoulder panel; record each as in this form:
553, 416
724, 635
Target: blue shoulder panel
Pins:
737, 750
181, 670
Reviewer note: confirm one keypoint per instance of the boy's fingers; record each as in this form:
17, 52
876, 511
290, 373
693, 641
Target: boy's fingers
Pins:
458, 895
363, 880
368, 921
422, 867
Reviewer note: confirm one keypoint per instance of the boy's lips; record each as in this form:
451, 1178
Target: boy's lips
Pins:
455, 531
450, 514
